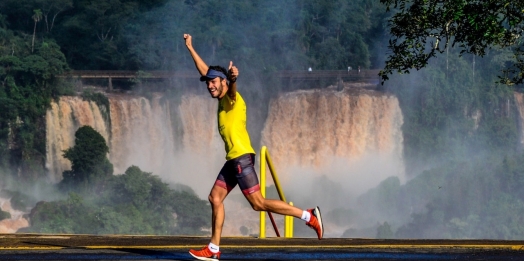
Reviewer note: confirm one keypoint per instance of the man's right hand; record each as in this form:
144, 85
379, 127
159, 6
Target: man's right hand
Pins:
187, 38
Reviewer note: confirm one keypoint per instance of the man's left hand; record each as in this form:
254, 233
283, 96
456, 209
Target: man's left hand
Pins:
232, 72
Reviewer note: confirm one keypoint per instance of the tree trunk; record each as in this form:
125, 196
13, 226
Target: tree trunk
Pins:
33, 44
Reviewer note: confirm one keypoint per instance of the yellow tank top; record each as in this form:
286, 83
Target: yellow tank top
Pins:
232, 117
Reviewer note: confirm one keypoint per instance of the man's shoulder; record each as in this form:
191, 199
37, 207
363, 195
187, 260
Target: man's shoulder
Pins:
239, 98
227, 99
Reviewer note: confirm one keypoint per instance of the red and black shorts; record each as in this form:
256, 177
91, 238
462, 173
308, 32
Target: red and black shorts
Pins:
241, 171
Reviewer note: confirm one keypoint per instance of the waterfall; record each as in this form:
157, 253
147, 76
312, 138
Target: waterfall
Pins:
353, 134
139, 132
62, 120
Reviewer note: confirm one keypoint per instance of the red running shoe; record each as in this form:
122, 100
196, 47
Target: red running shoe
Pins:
205, 254
316, 222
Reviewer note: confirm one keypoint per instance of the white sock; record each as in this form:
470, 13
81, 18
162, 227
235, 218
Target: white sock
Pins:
213, 248
306, 216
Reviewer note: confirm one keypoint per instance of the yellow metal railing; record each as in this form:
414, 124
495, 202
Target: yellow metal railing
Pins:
288, 220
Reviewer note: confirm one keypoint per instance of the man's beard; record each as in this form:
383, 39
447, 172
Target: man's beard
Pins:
219, 91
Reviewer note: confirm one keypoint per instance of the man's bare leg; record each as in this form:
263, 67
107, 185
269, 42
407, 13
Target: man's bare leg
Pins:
259, 203
311, 216
216, 198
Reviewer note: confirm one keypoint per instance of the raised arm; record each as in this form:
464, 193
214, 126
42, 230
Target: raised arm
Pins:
232, 77
199, 63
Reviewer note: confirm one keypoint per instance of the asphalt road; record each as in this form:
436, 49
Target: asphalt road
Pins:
89, 247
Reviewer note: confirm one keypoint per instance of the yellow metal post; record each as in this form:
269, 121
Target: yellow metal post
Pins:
274, 175
288, 225
262, 233
288, 220
291, 220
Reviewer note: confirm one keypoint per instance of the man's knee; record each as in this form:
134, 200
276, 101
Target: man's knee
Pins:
257, 203
216, 198
211, 199
258, 206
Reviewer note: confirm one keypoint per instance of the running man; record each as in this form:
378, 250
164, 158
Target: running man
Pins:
240, 157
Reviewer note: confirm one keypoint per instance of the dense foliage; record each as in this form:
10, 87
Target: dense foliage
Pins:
90, 168
439, 204
454, 109
139, 34
135, 202
27, 85
421, 29
266, 36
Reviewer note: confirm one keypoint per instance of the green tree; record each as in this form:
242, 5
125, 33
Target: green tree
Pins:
135, 202
156, 205
454, 110
422, 29
37, 16
473, 198
56, 217
135, 187
287, 35
500, 218
90, 166
27, 85
51, 10
98, 28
